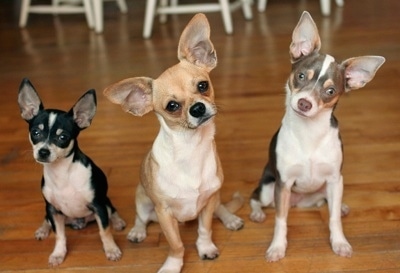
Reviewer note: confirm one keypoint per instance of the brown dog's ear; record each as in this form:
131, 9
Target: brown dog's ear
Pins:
133, 94
305, 38
195, 45
359, 71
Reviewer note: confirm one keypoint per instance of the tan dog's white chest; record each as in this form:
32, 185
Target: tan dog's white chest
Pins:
69, 189
187, 172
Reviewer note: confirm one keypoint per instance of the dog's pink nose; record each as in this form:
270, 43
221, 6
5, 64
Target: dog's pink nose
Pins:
304, 105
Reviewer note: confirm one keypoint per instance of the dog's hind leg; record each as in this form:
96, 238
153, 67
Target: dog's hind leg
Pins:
43, 231
224, 212
144, 214
262, 196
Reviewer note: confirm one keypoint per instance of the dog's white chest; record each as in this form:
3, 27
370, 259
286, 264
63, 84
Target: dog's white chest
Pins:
69, 189
307, 163
187, 179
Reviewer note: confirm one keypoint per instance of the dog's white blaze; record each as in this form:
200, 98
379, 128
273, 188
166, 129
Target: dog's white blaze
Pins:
328, 60
52, 119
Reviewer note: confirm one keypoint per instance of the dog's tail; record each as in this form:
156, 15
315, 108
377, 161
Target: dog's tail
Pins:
225, 212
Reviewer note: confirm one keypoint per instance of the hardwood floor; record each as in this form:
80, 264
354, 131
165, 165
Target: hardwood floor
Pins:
63, 59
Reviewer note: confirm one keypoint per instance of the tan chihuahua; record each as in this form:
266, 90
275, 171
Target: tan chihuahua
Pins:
181, 175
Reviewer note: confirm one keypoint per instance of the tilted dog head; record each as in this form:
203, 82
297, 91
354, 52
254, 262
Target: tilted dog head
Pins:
53, 133
317, 80
182, 96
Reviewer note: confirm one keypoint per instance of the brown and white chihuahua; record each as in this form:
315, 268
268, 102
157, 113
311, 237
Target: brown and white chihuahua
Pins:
305, 154
181, 175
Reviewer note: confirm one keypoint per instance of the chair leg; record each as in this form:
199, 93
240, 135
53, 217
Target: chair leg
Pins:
246, 7
262, 5
226, 16
98, 15
149, 18
163, 17
23, 15
325, 7
122, 6
87, 5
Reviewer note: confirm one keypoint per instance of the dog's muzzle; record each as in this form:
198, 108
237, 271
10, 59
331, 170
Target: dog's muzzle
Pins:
197, 110
43, 155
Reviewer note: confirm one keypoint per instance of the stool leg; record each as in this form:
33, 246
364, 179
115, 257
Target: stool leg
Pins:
262, 5
98, 15
226, 16
149, 18
163, 17
23, 15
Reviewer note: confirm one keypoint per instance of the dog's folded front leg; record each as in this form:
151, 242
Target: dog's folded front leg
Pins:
169, 226
339, 243
277, 249
205, 247
60, 248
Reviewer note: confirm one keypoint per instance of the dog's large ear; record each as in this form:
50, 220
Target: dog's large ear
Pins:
133, 94
195, 45
84, 109
305, 38
28, 100
359, 71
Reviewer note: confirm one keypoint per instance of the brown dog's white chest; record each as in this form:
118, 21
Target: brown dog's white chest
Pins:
186, 175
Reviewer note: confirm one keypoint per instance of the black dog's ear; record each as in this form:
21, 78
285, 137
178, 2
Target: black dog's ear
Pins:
84, 109
28, 100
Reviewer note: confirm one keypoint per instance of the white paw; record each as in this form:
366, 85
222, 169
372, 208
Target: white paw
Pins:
113, 254
56, 259
136, 235
343, 249
234, 223
207, 251
171, 265
257, 216
275, 253
42, 233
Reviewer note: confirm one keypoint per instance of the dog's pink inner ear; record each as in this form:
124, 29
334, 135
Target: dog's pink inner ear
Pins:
138, 102
360, 70
84, 111
305, 38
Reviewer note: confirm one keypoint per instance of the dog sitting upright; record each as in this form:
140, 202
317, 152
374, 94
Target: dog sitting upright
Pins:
181, 175
74, 188
305, 155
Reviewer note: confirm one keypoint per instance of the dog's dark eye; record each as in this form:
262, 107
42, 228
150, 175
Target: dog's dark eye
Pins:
301, 76
330, 91
36, 133
173, 106
62, 137
202, 86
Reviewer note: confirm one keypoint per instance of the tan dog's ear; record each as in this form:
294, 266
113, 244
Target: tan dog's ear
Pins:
195, 45
359, 71
305, 38
133, 94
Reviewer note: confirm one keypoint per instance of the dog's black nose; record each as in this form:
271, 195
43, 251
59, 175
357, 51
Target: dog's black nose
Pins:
304, 105
197, 110
44, 153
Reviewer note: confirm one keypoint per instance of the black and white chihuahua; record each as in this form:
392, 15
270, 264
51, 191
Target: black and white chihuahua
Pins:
74, 188
305, 155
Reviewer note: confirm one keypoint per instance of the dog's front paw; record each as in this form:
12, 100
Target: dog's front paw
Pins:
137, 234
56, 259
206, 249
342, 248
113, 254
275, 253
171, 265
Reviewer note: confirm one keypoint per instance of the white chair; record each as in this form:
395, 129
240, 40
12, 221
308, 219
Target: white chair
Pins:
57, 7
325, 6
224, 6
98, 12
